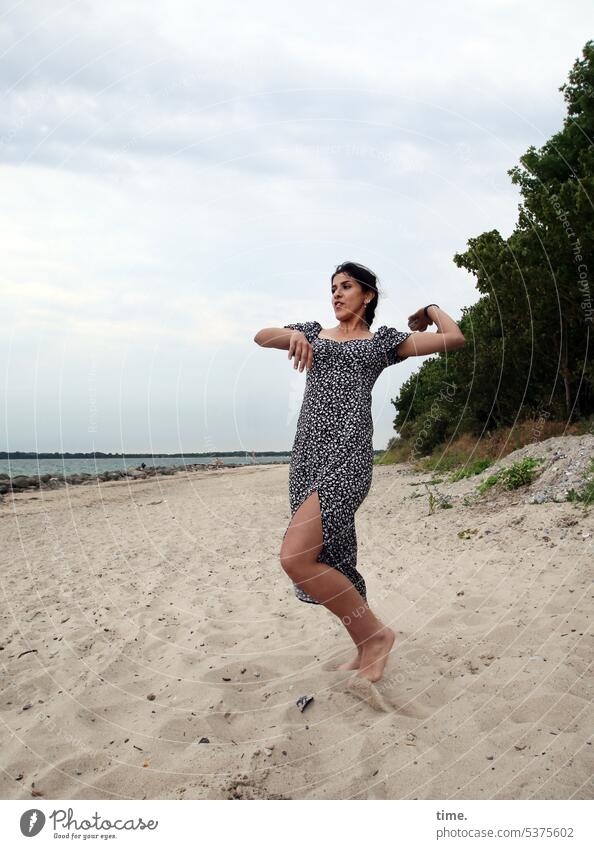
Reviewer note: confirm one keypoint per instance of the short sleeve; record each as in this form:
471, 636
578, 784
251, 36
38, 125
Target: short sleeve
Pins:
389, 339
310, 328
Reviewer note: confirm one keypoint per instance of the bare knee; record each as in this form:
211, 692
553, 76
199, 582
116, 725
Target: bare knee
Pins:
303, 540
292, 563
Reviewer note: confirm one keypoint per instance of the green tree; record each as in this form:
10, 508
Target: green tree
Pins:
529, 334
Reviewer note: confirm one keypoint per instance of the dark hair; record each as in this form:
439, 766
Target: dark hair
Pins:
367, 279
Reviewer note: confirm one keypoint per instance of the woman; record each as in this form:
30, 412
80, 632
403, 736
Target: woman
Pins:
332, 456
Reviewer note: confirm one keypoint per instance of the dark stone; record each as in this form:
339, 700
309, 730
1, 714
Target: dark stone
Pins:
22, 481
303, 701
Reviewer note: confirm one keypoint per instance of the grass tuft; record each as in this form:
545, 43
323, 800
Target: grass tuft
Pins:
475, 468
586, 494
518, 474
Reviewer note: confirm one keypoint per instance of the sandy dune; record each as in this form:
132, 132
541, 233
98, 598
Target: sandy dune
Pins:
172, 588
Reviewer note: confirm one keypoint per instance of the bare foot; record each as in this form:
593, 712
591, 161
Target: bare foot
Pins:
375, 654
352, 664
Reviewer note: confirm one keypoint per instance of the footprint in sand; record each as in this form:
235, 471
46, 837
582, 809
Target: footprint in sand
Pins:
367, 691
364, 689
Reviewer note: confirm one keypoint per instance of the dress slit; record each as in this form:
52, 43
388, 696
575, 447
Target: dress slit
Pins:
301, 593
330, 552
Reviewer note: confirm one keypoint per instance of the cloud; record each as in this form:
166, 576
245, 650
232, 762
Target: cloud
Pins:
88, 89
183, 174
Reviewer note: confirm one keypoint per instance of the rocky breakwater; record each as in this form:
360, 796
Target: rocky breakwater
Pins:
56, 480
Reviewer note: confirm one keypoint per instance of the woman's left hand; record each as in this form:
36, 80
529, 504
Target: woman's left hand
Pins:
419, 321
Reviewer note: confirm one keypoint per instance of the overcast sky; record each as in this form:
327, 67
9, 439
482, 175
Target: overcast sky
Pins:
177, 175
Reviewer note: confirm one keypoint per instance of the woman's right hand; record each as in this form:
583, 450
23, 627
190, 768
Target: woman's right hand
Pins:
301, 349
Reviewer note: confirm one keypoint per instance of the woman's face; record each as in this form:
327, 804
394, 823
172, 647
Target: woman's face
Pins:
348, 297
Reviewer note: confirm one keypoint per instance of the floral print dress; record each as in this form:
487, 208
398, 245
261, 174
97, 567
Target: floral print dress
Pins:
333, 447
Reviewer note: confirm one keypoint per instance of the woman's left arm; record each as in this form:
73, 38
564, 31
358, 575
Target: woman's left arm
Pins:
447, 338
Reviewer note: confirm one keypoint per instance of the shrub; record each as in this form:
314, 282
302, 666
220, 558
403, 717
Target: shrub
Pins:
517, 475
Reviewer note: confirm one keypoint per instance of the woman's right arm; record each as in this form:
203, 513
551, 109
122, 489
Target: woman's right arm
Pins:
293, 341
274, 337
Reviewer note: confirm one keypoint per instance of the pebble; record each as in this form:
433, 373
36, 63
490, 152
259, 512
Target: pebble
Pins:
303, 701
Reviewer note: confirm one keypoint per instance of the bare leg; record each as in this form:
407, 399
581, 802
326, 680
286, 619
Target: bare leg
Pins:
302, 544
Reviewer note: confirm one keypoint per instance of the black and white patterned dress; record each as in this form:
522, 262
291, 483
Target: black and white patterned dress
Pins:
333, 447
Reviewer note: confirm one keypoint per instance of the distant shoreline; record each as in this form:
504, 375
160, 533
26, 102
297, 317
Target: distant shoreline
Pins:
101, 455
65, 465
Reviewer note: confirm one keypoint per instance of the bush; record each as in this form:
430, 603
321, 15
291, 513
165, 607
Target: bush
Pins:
517, 475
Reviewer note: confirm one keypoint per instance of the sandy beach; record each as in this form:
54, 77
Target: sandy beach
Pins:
142, 617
